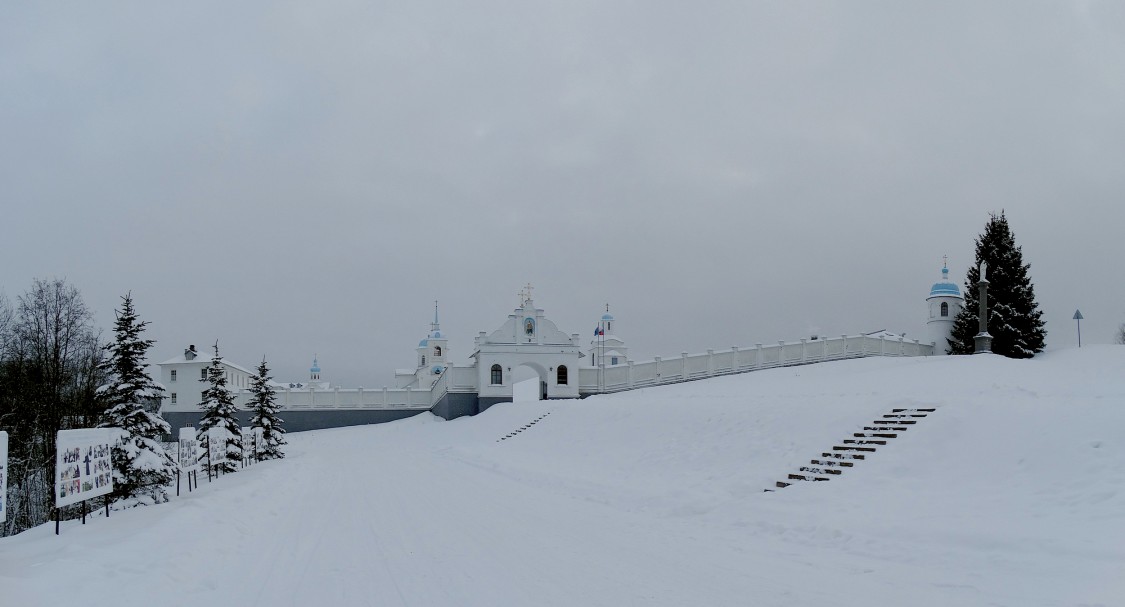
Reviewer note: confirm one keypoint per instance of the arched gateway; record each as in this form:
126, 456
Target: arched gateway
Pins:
526, 339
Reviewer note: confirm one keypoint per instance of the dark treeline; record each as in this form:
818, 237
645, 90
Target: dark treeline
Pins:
50, 354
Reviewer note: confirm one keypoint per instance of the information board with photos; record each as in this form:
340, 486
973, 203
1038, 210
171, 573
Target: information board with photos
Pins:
216, 447
248, 443
189, 450
84, 466
3, 476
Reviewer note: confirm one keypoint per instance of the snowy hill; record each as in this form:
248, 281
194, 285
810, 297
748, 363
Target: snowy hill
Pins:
1011, 493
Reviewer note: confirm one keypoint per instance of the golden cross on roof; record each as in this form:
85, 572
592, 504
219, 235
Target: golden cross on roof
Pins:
525, 294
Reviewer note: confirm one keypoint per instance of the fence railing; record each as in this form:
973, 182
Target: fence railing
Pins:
688, 367
348, 398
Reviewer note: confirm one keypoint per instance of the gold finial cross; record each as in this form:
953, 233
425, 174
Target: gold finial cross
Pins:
945, 261
525, 294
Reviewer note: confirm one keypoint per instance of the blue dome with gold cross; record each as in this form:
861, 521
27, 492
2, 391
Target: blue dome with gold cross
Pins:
945, 288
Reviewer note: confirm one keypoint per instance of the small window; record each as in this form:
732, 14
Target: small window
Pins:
944, 308
613, 360
203, 374
497, 375
437, 350
562, 375
173, 375
423, 360
609, 325
173, 396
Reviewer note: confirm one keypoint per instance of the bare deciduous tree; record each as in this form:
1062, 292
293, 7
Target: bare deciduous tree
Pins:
48, 381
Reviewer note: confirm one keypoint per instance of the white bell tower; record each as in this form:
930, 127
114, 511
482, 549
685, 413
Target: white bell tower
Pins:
944, 303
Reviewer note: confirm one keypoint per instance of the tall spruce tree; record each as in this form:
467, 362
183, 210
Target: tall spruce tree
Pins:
141, 465
263, 402
1014, 320
219, 422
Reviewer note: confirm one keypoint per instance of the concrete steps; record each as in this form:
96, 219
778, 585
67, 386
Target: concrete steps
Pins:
859, 447
524, 427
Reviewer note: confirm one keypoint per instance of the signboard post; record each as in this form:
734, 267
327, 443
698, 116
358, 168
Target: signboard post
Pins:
3, 476
83, 467
188, 458
1078, 319
247, 446
216, 451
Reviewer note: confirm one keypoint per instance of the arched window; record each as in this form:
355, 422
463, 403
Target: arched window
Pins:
437, 350
561, 375
423, 360
945, 308
497, 375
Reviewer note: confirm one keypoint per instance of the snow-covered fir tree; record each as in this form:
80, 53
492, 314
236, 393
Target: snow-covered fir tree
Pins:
1014, 319
219, 422
263, 403
141, 466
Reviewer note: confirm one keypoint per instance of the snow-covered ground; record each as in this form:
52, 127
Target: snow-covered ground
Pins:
1011, 493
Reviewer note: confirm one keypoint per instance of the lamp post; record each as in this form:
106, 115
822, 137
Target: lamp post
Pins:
982, 342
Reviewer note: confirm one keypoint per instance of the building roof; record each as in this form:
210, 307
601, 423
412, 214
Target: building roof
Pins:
945, 288
205, 360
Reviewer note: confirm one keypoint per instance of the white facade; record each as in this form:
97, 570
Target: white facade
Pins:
607, 349
527, 339
431, 359
943, 304
185, 378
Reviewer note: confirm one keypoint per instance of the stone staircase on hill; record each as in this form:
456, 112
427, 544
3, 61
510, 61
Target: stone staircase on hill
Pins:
522, 428
845, 455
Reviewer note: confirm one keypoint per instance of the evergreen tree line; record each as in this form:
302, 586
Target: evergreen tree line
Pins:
57, 374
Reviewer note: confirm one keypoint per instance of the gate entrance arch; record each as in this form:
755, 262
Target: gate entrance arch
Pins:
527, 339
529, 382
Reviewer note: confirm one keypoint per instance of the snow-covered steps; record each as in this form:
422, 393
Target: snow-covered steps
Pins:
524, 427
844, 455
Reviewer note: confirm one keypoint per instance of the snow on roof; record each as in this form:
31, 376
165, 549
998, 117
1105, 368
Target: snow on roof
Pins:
885, 333
206, 360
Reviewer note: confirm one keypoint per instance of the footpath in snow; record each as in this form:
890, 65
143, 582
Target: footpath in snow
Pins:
1011, 493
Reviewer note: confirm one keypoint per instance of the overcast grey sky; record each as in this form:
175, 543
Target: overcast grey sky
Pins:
300, 178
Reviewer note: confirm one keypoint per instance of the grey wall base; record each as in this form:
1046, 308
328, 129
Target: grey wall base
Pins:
487, 402
300, 421
452, 406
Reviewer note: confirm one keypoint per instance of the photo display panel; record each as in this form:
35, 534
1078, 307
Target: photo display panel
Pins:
247, 442
84, 467
189, 450
216, 446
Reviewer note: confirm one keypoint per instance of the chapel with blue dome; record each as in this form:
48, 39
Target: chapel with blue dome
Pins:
944, 303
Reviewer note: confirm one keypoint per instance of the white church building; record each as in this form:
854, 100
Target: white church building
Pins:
567, 366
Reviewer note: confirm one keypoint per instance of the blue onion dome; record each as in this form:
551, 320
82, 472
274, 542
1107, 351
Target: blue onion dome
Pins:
423, 343
607, 316
945, 288
316, 366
